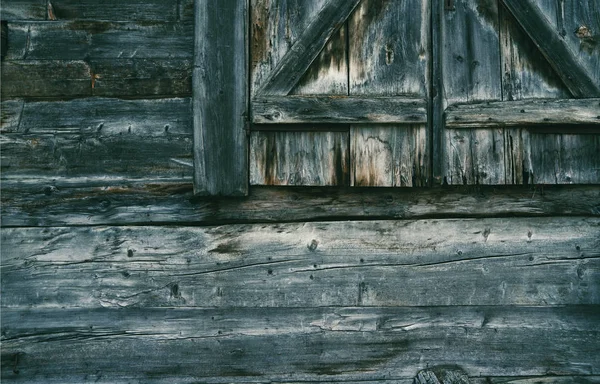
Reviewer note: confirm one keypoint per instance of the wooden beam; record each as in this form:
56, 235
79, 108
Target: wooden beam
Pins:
220, 86
554, 48
338, 109
453, 262
298, 59
380, 345
533, 112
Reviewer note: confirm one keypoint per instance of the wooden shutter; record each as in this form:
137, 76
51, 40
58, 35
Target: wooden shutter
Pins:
521, 82
339, 92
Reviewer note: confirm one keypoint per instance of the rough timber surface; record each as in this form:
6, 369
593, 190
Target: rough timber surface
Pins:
95, 137
299, 345
299, 158
517, 261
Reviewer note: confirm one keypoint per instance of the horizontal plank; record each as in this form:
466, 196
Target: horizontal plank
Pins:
52, 79
99, 136
54, 200
287, 345
529, 261
89, 40
338, 109
544, 112
113, 10
299, 158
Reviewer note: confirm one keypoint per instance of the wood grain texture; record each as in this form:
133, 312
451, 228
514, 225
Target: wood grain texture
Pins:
545, 112
556, 51
102, 200
348, 345
337, 109
59, 79
276, 27
299, 158
291, 67
220, 85
389, 156
98, 136
389, 45
108, 10
89, 40
517, 261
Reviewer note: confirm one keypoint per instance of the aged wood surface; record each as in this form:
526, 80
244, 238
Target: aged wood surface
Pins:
528, 261
78, 40
298, 345
52, 201
554, 48
534, 112
97, 137
389, 45
384, 156
299, 158
337, 109
59, 79
220, 86
276, 27
113, 10
297, 60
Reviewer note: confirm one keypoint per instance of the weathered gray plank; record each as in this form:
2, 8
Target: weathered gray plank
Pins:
276, 27
50, 79
299, 158
96, 136
565, 159
389, 48
220, 86
78, 40
389, 156
109, 10
526, 73
338, 109
535, 112
305, 345
294, 64
31, 201
529, 261
471, 56
554, 48
10, 115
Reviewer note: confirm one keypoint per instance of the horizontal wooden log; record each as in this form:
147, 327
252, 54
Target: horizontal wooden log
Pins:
532, 261
338, 109
51, 79
89, 40
98, 136
113, 10
52, 200
298, 345
524, 113
300, 158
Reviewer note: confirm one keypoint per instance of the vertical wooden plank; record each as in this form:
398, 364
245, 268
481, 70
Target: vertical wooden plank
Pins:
437, 96
389, 56
299, 158
472, 73
220, 83
276, 26
384, 156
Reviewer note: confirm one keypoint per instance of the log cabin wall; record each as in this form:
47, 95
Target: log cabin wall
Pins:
113, 272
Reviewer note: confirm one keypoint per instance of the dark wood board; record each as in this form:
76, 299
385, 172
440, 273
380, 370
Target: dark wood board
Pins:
54, 79
355, 345
300, 158
516, 261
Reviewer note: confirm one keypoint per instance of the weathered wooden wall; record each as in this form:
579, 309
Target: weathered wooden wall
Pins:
113, 272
